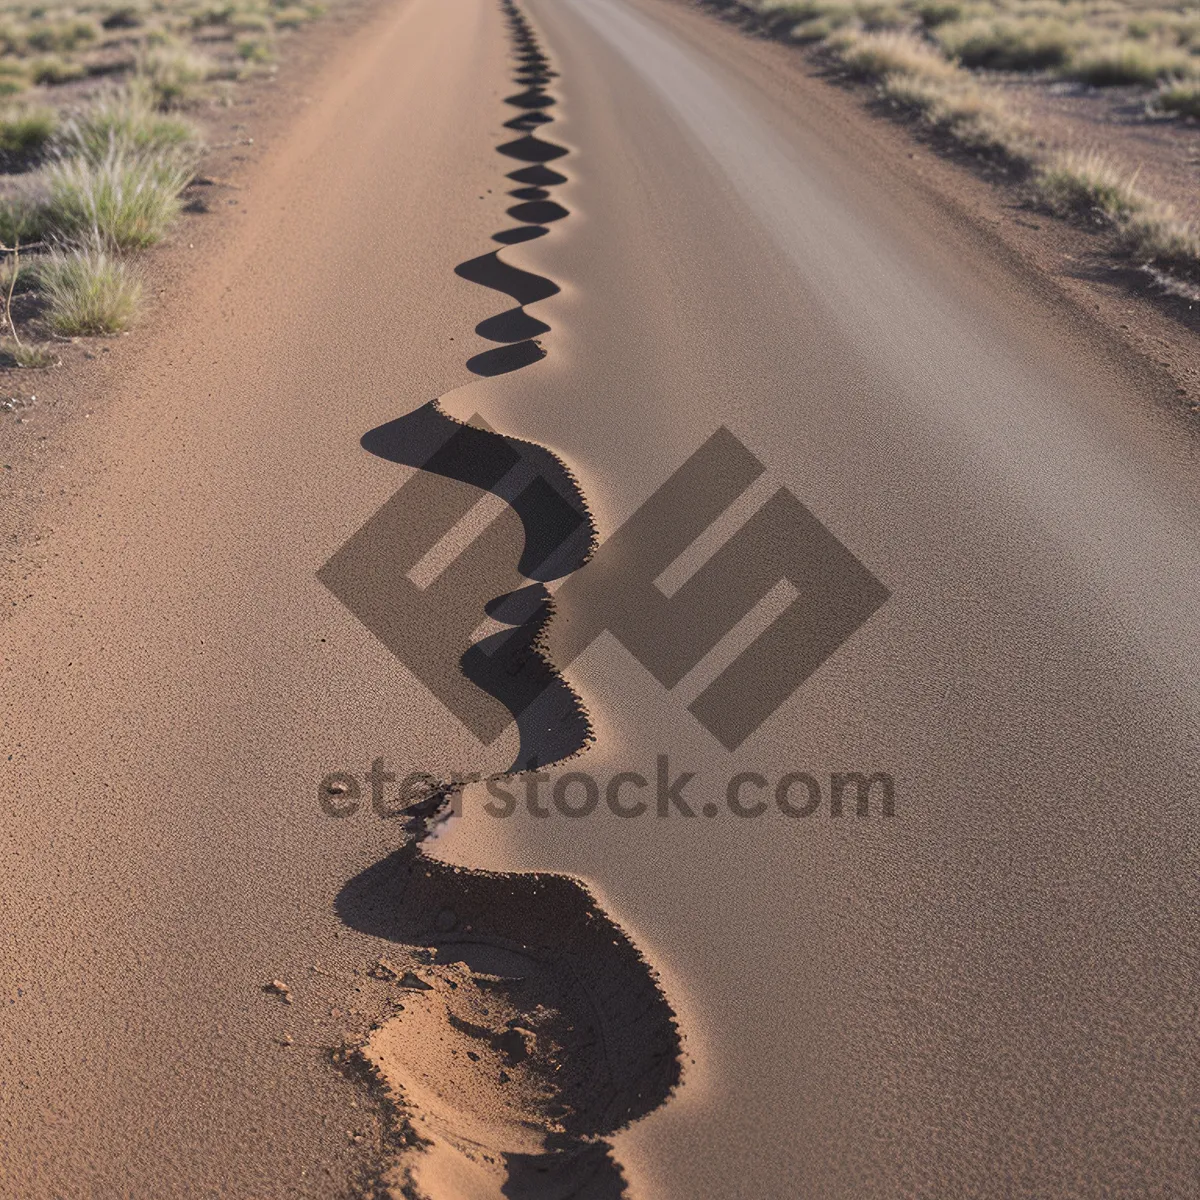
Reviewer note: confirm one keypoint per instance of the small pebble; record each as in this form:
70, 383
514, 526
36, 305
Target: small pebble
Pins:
280, 989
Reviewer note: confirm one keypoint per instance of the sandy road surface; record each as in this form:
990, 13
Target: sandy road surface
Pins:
990, 993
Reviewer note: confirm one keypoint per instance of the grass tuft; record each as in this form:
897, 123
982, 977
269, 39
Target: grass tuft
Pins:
255, 50
126, 16
880, 18
125, 201
1131, 62
874, 55
251, 22
22, 218
1086, 186
53, 69
30, 355
26, 131
25, 272
62, 37
174, 74
126, 120
807, 20
1178, 97
14, 77
214, 14
88, 292
291, 17
1156, 235
938, 12
1008, 45
976, 119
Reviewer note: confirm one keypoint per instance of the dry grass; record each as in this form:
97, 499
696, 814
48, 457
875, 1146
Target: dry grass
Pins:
255, 50
88, 292
26, 278
14, 77
1008, 45
832, 19
1177, 97
932, 13
22, 217
1090, 188
292, 17
126, 119
53, 69
875, 55
26, 130
28, 355
1099, 42
49, 37
93, 161
1131, 62
124, 201
971, 116
931, 59
174, 74
913, 76
1154, 234
1086, 186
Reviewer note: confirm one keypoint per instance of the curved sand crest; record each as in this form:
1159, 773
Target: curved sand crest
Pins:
527, 1027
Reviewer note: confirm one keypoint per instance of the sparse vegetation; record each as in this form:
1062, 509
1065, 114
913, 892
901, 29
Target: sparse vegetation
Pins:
1180, 98
174, 74
123, 17
1098, 42
1029, 44
16, 276
249, 21
48, 37
88, 292
875, 55
934, 61
1131, 62
29, 355
933, 13
125, 200
125, 120
1088, 187
976, 119
1154, 234
255, 50
292, 17
22, 217
14, 77
1085, 186
25, 131
98, 138
913, 76
53, 69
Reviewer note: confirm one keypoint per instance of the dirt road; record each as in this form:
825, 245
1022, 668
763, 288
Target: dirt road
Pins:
955, 543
